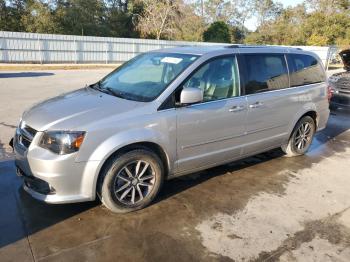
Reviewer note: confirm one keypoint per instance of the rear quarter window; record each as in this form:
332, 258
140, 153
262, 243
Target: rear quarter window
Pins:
304, 70
264, 72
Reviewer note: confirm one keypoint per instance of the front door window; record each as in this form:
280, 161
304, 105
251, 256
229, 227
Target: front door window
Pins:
218, 79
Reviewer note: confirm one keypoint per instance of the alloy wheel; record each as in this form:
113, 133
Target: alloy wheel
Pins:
303, 136
134, 182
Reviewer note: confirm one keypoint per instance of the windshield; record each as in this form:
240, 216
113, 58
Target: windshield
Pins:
146, 76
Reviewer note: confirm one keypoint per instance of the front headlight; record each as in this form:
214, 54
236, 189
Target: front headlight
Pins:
62, 142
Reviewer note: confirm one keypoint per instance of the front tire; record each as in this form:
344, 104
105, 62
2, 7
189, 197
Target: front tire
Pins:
301, 138
131, 181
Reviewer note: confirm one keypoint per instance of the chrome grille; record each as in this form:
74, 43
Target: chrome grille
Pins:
25, 135
343, 84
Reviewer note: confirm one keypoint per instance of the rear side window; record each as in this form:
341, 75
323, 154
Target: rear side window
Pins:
304, 70
265, 72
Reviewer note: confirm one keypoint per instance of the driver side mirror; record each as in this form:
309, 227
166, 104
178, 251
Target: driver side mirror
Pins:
191, 95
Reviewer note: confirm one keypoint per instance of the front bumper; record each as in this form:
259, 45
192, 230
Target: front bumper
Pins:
54, 178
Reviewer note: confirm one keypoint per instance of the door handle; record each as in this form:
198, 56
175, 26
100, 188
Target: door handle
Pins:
256, 104
236, 109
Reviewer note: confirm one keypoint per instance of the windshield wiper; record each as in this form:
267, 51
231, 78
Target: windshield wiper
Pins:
107, 90
111, 91
115, 93
97, 86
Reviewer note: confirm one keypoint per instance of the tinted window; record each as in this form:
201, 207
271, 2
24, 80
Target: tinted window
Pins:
304, 70
264, 72
218, 79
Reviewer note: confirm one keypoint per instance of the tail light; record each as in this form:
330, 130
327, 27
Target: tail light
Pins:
330, 92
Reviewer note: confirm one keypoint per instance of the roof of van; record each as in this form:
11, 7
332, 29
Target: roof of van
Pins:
204, 49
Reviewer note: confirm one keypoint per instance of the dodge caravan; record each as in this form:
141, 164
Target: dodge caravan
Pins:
168, 113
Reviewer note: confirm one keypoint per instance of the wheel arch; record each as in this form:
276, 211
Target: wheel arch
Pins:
311, 112
147, 145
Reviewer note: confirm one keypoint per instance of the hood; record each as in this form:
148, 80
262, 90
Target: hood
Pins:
76, 110
345, 56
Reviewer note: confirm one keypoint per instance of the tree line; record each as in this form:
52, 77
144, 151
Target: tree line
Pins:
314, 22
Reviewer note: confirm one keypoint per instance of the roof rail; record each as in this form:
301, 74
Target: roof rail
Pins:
245, 46
233, 46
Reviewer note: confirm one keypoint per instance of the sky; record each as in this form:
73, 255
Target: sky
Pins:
251, 23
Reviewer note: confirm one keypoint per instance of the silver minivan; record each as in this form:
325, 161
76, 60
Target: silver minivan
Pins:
168, 113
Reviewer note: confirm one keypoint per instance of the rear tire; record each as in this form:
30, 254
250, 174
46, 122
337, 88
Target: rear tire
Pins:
131, 181
301, 137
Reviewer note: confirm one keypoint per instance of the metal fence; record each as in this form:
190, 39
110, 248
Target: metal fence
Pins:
16, 47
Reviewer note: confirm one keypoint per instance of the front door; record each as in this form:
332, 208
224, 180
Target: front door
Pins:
209, 133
